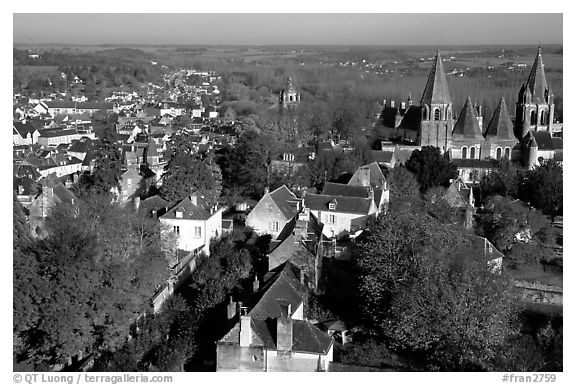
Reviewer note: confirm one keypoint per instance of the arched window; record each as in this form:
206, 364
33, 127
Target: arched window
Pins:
544, 118
498, 153
425, 113
436, 114
448, 113
464, 152
532, 117
507, 153
472, 152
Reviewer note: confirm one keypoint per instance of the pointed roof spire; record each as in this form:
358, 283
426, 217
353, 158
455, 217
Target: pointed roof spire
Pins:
467, 123
500, 125
436, 90
537, 80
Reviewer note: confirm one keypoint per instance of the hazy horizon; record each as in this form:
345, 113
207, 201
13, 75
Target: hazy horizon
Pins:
297, 29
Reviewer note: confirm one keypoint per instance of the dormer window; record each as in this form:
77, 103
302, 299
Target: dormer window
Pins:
332, 205
180, 214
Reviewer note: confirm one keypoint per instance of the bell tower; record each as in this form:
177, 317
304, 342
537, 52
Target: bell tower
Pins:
436, 107
535, 105
289, 97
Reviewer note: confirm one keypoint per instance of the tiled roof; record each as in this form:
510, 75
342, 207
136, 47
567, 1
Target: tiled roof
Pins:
79, 105
382, 156
436, 90
558, 143
475, 163
24, 128
370, 173
500, 125
352, 205
56, 132
282, 197
412, 118
153, 203
282, 285
200, 211
339, 189
544, 140
467, 124
306, 338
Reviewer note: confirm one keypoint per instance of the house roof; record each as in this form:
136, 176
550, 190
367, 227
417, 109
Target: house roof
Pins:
23, 128
500, 126
412, 118
283, 285
339, 189
475, 163
306, 338
467, 125
383, 156
63, 194
199, 211
544, 140
368, 175
436, 90
481, 243
79, 105
558, 143
57, 132
282, 197
353, 205
153, 203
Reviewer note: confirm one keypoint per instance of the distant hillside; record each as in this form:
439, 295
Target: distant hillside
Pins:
126, 53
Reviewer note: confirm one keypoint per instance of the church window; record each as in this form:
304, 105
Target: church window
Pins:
498, 153
507, 153
436, 114
464, 152
543, 118
425, 113
532, 117
472, 152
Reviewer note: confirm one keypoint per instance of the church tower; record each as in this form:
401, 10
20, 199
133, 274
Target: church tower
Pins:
535, 105
436, 106
289, 97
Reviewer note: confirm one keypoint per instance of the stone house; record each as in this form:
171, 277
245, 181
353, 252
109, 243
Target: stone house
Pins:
195, 222
274, 211
270, 333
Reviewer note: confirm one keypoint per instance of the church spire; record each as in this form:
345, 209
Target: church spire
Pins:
537, 80
467, 124
500, 125
436, 90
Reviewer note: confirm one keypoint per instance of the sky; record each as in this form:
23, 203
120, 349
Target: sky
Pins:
288, 28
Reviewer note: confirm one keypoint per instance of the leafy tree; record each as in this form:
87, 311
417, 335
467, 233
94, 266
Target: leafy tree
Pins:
189, 172
505, 222
504, 181
108, 168
431, 168
426, 289
404, 188
543, 187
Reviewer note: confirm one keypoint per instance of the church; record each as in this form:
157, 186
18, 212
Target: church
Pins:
530, 138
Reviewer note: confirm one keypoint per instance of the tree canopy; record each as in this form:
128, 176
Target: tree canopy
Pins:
430, 293
431, 168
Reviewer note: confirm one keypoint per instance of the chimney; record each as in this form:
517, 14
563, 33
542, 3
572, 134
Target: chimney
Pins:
231, 309
392, 103
266, 190
284, 329
194, 199
245, 331
136, 203
20, 190
255, 284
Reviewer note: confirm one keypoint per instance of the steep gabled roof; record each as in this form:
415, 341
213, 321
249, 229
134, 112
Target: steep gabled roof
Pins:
537, 80
436, 90
467, 124
282, 197
283, 285
500, 125
369, 174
